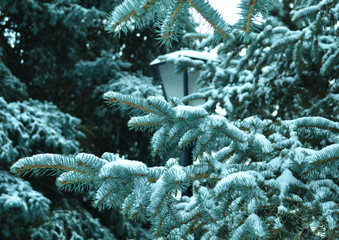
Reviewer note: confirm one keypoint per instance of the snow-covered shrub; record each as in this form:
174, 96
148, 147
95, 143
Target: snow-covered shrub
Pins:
11, 88
20, 206
91, 73
26, 212
33, 126
71, 224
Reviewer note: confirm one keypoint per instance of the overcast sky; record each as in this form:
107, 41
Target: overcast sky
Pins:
227, 8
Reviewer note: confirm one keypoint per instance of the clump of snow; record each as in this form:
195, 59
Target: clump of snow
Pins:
185, 53
284, 180
263, 142
185, 109
328, 208
171, 162
175, 174
125, 163
282, 209
275, 162
239, 177
122, 168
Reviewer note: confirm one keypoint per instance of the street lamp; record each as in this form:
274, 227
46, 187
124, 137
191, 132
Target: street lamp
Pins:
178, 85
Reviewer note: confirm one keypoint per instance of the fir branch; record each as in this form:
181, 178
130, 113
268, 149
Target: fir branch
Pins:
130, 14
146, 122
159, 228
305, 12
246, 28
139, 125
248, 167
190, 230
195, 36
332, 59
89, 162
212, 17
126, 100
148, 4
224, 154
235, 181
250, 9
232, 132
324, 156
160, 105
42, 163
76, 181
289, 39
124, 169
100, 200
310, 10
160, 204
298, 48
315, 122
189, 137
202, 144
159, 140
120, 18
253, 227
174, 132
167, 31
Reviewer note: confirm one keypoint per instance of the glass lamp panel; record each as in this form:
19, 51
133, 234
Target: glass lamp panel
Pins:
172, 81
193, 87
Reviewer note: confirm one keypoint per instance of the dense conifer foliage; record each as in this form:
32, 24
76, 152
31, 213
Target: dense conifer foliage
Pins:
268, 167
56, 61
61, 51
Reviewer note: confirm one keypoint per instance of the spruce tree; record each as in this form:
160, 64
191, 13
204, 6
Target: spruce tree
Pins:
266, 170
61, 51
58, 53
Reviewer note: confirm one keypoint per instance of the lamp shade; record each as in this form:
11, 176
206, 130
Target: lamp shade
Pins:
175, 84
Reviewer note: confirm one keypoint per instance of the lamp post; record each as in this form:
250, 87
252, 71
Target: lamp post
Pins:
178, 85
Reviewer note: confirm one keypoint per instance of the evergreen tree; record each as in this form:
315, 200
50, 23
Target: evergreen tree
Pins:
59, 51
267, 170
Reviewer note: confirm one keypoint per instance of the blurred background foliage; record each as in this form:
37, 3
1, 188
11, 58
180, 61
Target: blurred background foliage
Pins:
56, 61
